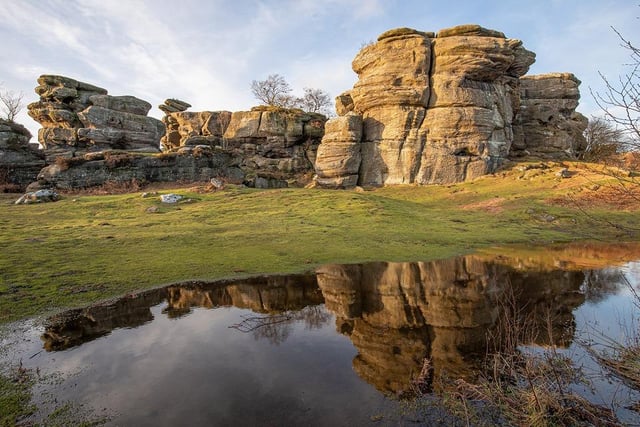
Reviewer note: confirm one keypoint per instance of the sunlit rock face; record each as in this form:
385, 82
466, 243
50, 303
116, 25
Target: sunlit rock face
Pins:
78, 117
436, 108
273, 147
20, 161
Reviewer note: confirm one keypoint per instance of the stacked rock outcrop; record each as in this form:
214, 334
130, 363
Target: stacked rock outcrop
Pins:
20, 161
78, 117
548, 125
187, 128
434, 109
273, 146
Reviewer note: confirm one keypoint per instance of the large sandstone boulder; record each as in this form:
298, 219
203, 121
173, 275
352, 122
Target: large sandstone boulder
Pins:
548, 124
338, 158
20, 161
445, 108
78, 117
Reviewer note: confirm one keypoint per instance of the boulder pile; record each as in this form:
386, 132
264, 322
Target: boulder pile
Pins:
78, 117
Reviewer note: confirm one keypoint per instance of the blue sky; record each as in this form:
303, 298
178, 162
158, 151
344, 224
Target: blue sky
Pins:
207, 52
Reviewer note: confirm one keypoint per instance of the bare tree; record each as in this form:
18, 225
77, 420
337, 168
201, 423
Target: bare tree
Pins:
11, 103
315, 101
603, 140
620, 101
273, 91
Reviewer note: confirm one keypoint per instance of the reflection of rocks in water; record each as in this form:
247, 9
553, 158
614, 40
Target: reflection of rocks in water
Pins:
75, 327
273, 294
260, 294
397, 314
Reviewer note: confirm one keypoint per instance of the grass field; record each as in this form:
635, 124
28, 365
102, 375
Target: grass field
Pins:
85, 248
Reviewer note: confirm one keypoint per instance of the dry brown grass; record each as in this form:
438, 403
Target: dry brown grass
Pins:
491, 205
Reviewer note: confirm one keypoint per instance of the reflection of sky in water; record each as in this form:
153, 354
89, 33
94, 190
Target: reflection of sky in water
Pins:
196, 369
614, 317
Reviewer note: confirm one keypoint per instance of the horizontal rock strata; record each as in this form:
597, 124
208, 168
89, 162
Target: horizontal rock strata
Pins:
274, 147
78, 117
548, 125
130, 170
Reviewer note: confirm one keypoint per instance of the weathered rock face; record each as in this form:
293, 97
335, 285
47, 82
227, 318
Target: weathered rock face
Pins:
548, 125
20, 161
194, 128
435, 109
274, 147
78, 117
338, 157
95, 169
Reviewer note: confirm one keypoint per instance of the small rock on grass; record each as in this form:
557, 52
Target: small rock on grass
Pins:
171, 198
40, 196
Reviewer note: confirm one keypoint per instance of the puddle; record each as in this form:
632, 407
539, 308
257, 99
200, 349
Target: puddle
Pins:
340, 346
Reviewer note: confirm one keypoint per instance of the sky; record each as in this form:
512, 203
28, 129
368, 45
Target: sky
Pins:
207, 52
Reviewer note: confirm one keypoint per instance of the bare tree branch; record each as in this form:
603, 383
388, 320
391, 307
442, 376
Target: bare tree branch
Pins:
11, 104
273, 91
620, 102
315, 101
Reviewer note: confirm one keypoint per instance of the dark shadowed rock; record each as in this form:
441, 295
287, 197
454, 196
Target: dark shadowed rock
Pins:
20, 161
549, 126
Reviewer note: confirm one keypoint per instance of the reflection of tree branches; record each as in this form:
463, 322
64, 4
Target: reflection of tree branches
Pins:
277, 327
273, 327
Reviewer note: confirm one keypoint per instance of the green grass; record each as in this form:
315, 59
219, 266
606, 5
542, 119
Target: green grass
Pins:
86, 248
15, 393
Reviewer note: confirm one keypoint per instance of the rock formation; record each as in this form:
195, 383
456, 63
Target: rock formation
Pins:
272, 146
548, 125
20, 161
436, 109
129, 170
78, 117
